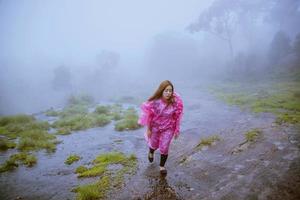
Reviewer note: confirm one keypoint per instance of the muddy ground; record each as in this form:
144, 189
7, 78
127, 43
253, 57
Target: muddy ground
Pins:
266, 169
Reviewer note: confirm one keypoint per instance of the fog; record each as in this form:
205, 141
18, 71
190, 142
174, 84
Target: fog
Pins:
107, 49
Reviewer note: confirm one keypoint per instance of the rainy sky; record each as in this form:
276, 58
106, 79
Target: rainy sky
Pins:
52, 49
76, 30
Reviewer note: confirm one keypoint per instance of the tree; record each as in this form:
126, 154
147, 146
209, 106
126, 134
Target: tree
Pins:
296, 51
220, 20
296, 46
224, 17
279, 47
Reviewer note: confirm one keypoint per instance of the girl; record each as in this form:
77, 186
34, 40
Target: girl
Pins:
161, 114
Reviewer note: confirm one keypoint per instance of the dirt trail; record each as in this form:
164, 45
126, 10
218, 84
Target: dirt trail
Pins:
266, 169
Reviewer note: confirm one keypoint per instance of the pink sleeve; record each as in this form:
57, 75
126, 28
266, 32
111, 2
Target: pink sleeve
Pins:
146, 113
178, 112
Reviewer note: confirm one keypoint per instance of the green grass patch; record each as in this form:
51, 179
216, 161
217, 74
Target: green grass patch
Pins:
103, 110
281, 98
81, 99
253, 135
77, 117
13, 126
71, 159
63, 131
16, 119
32, 135
37, 140
6, 144
26, 134
17, 159
101, 120
81, 169
93, 191
96, 170
69, 111
208, 141
52, 112
109, 178
129, 121
80, 122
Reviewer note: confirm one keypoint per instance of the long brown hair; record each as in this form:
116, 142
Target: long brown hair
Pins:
158, 93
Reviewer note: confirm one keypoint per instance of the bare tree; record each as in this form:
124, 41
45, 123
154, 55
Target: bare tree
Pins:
220, 20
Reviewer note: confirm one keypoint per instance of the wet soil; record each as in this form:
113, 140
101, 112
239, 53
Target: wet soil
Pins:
266, 169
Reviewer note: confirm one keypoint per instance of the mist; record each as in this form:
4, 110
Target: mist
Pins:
108, 49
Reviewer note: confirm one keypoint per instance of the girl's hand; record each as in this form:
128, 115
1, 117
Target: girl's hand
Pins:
149, 133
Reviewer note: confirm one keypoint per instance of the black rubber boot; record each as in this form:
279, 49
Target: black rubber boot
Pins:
151, 155
163, 159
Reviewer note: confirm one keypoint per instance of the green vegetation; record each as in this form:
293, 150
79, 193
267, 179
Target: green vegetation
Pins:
103, 110
253, 134
16, 159
37, 140
129, 121
6, 144
77, 117
74, 110
27, 134
52, 112
13, 126
80, 122
281, 98
81, 99
93, 191
109, 178
207, 141
71, 159
81, 169
63, 131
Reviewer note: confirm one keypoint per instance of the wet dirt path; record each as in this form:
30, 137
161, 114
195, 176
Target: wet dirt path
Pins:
261, 170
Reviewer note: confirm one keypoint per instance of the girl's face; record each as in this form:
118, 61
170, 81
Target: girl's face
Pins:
167, 93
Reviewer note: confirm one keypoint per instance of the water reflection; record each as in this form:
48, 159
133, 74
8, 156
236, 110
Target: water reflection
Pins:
160, 189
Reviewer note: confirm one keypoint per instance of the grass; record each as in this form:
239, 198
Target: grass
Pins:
93, 191
32, 135
109, 179
80, 122
253, 134
281, 98
71, 159
129, 121
37, 140
81, 169
52, 112
74, 110
17, 119
26, 134
63, 131
79, 119
13, 126
16, 159
6, 144
81, 99
208, 141
103, 110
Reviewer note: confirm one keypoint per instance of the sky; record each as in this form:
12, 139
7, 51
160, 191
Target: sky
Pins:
77, 30
37, 36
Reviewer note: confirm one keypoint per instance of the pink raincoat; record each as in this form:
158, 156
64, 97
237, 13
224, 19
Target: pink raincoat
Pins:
163, 121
